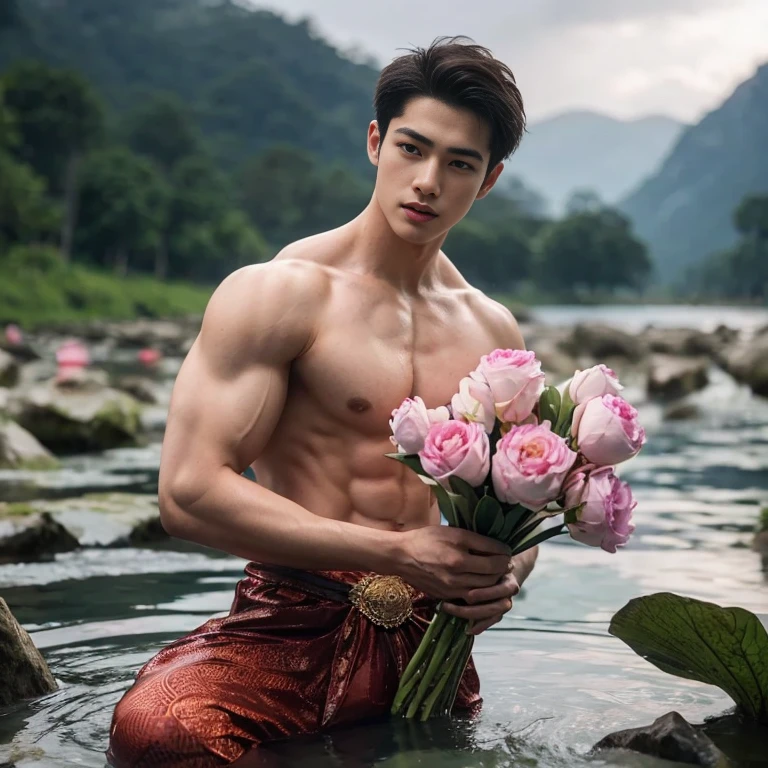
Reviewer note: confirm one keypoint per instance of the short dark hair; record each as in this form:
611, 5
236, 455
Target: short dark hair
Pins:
461, 74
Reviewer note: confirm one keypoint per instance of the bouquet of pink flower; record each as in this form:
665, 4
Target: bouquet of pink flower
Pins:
509, 454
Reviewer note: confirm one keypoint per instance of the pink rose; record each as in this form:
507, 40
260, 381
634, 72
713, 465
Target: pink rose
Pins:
606, 430
592, 382
516, 381
605, 520
411, 422
530, 465
456, 448
474, 401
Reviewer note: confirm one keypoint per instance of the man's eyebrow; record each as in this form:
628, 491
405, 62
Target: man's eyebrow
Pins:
464, 151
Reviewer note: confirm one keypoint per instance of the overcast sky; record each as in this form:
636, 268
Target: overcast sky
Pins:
624, 57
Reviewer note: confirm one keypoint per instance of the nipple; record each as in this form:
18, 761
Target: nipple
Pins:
358, 404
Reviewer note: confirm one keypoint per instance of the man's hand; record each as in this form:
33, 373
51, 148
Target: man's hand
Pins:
486, 606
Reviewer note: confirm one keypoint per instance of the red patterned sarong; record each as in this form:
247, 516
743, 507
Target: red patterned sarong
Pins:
294, 656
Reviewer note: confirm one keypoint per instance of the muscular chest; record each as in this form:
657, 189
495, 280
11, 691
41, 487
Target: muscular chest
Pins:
375, 351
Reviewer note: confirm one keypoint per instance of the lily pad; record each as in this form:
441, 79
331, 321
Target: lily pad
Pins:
726, 647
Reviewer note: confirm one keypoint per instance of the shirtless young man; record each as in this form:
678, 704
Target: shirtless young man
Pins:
296, 371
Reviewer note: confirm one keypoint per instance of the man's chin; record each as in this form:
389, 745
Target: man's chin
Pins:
416, 235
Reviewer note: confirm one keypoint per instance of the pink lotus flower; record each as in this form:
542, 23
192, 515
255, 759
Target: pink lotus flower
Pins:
410, 423
516, 382
530, 465
13, 335
605, 520
607, 430
456, 448
592, 382
474, 401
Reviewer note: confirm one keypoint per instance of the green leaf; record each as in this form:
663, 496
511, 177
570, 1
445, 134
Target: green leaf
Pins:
462, 508
512, 518
445, 504
726, 647
411, 460
498, 524
486, 512
549, 405
549, 533
565, 417
463, 488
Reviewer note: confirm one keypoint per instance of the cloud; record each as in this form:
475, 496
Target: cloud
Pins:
623, 57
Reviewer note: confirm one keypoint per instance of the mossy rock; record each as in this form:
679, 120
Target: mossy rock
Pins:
80, 422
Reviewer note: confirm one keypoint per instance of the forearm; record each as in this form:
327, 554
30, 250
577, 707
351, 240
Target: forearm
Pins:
524, 564
238, 516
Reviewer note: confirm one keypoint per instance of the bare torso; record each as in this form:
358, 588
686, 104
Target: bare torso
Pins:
373, 346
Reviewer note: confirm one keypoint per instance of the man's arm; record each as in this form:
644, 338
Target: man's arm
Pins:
227, 400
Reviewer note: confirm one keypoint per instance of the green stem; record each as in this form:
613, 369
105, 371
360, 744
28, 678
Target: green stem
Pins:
452, 690
413, 672
438, 658
457, 648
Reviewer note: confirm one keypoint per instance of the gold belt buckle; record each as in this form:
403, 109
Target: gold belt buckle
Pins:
385, 600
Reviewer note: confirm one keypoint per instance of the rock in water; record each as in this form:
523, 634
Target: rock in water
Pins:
9, 370
67, 421
39, 538
21, 450
603, 341
677, 376
670, 737
23, 670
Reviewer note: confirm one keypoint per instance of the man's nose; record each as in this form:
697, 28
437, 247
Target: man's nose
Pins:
428, 180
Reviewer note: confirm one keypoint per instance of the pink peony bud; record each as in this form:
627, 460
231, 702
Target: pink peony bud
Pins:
474, 401
516, 381
606, 430
592, 382
605, 520
456, 448
530, 465
411, 421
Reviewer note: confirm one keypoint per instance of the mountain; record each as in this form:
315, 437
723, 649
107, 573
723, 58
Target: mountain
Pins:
252, 78
685, 210
577, 150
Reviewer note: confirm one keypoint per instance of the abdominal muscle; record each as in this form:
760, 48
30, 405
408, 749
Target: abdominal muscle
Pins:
345, 476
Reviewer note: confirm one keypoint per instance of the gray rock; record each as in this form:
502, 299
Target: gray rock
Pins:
670, 737
687, 342
9, 370
78, 420
36, 537
677, 376
681, 411
599, 342
146, 532
20, 449
747, 362
140, 387
23, 670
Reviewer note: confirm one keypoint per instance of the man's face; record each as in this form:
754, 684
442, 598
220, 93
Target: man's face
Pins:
433, 157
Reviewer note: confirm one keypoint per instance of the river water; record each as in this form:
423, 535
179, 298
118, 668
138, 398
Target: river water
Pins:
553, 680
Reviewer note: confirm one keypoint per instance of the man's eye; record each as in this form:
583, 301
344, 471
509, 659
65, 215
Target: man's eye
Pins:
463, 166
411, 149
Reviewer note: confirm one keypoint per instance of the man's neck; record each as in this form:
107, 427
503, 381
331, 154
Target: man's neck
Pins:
378, 250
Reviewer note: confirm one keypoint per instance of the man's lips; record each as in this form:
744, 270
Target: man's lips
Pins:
424, 211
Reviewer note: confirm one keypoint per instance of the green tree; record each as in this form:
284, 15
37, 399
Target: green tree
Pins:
163, 130
125, 207
59, 119
10, 15
592, 250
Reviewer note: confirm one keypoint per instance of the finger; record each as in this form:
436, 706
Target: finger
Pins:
464, 582
481, 626
478, 612
478, 543
508, 587
485, 564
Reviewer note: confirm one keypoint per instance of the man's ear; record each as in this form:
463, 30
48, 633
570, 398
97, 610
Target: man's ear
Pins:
490, 181
374, 143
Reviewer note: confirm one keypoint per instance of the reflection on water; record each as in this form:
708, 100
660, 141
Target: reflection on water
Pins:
553, 680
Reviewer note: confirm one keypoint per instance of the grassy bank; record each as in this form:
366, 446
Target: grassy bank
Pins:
37, 289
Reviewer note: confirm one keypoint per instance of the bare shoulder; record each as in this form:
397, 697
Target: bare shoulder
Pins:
268, 309
498, 319
494, 316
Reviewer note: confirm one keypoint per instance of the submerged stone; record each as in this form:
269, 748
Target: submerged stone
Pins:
670, 737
